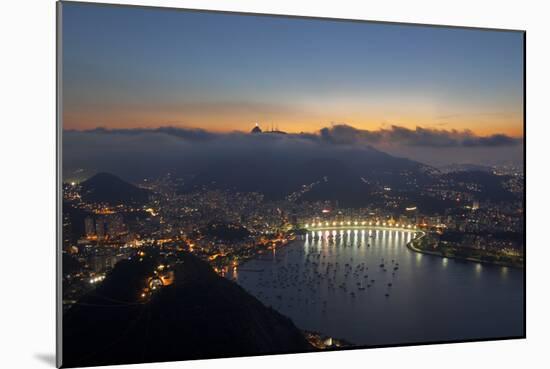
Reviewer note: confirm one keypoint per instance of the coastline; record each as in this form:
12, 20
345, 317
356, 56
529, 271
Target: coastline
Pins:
410, 246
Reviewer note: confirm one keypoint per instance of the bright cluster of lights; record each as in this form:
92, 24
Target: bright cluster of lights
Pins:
357, 223
97, 279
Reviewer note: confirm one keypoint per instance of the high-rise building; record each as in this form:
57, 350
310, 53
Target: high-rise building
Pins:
89, 226
115, 225
100, 228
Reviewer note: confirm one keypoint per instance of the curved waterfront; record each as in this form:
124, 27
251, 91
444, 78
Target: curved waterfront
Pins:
367, 287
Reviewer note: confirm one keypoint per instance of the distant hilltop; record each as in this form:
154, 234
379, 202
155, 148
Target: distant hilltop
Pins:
108, 188
257, 129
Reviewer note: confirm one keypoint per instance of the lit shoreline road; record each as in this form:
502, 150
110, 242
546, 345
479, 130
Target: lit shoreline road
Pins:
410, 245
379, 228
362, 227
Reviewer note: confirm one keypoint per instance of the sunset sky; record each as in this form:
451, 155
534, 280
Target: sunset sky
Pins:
127, 67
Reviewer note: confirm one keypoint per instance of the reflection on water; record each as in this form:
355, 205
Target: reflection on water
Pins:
478, 269
367, 287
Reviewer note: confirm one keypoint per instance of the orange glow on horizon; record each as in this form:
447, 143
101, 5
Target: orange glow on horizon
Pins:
482, 126
304, 115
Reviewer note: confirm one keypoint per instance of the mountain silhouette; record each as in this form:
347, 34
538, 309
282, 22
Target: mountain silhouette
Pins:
353, 178
108, 188
335, 178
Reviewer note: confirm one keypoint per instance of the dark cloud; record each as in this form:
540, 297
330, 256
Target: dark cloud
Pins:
192, 134
338, 134
492, 141
422, 137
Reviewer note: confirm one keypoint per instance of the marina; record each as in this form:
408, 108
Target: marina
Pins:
367, 287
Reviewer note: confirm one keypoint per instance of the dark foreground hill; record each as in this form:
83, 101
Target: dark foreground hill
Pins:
200, 316
107, 188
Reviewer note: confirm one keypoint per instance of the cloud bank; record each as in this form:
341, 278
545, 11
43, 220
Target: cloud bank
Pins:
342, 134
144, 152
421, 137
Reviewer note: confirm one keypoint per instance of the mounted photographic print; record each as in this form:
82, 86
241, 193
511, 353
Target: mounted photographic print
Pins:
235, 184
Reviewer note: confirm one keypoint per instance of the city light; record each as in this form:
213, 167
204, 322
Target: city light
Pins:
97, 279
356, 223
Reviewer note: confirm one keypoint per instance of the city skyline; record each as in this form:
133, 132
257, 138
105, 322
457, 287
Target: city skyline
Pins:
128, 68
